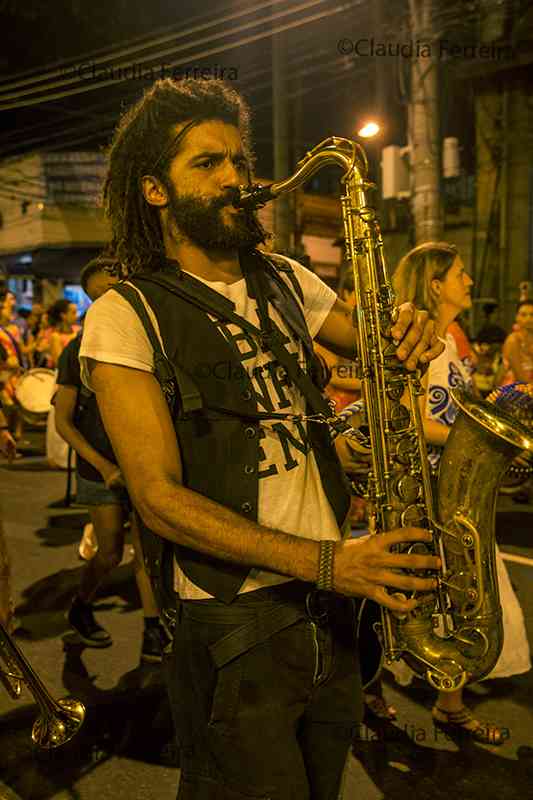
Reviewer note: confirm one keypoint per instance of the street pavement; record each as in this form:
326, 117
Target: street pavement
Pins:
125, 750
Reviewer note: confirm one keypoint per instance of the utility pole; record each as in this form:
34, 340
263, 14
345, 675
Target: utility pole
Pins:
281, 126
424, 129
380, 102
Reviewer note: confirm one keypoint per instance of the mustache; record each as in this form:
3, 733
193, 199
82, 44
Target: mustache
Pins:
229, 198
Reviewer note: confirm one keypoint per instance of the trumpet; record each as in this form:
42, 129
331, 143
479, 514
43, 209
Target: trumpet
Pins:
58, 720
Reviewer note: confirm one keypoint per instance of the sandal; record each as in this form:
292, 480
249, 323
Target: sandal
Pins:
464, 722
376, 705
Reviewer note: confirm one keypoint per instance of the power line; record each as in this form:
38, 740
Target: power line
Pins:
147, 62
99, 131
296, 74
100, 106
127, 51
334, 80
43, 139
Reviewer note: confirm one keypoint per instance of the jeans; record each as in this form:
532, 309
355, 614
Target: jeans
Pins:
95, 493
276, 721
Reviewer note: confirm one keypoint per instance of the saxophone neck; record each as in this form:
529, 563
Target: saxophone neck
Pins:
345, 153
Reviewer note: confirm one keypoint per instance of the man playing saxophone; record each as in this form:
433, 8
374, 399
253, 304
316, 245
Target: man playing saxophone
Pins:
203, 369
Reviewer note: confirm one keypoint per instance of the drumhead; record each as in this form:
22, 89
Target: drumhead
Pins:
35, 389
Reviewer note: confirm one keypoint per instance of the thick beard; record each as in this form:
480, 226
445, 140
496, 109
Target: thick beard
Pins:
201, 222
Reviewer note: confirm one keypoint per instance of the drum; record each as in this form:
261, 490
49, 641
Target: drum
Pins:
516, 399
34, 392
56, 446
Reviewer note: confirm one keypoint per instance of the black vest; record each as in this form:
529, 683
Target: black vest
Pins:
220, 441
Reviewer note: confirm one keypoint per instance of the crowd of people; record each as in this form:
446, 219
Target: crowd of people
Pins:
237, 502
29, 339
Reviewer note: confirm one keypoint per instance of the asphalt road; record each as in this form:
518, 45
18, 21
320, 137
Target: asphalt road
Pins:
125, 750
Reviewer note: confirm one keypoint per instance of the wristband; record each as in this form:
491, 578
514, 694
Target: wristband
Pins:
325, 565
4, 428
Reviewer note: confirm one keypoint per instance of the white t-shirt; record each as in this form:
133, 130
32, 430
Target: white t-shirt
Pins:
445, 372
291, 496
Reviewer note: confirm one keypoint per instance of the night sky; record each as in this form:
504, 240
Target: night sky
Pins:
330, 91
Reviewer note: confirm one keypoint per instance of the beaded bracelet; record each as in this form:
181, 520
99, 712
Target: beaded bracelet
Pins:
325, 565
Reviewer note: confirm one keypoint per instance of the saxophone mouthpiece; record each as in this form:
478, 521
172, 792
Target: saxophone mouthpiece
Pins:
253, 196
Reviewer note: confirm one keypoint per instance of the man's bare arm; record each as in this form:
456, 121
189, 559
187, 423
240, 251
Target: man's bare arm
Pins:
337, 333
138, 422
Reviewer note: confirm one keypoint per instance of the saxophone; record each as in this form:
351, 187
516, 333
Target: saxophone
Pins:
455, 635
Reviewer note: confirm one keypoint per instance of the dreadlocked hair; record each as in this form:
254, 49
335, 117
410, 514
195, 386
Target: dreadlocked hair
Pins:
144, 143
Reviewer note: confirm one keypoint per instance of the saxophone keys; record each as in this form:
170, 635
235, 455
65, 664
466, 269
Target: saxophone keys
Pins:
400, 418
414, 516
395, 390
408, 488
405, 450
447, 682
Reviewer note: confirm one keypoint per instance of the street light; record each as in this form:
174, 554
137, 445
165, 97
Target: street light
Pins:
372, 133
369, 130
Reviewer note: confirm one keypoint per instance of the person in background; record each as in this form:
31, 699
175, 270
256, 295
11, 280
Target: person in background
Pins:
41, 334
11, 360
8, 448
488, 348
26, 342
465, 351
490, 331
100, 486
62, 328
34, 318
518, 347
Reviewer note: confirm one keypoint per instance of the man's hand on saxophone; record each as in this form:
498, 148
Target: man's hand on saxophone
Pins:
413, 330
365, 567
415, 334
